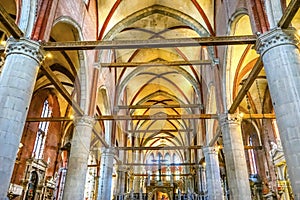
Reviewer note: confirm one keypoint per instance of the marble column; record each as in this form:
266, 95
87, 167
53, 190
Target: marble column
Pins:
78, 160
235, 160
106, 170
214, 186
281, 59
17, 80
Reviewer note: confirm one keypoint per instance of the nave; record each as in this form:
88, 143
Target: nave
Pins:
156, 99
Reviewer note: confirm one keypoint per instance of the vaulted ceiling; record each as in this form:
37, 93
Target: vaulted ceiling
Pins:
159, 82
151, 87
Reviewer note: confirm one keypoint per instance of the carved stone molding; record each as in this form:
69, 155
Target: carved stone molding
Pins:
225, 119
84, 121
26, 47
275, 38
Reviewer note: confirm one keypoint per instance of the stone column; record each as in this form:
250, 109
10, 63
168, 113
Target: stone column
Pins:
106, 170
137, 179
136, 184
23, 59
281, 58
78, 160
121, 180
235, 160
214, 186
199, 179
131, 178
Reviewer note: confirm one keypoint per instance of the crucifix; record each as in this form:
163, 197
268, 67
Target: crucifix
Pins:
159, 166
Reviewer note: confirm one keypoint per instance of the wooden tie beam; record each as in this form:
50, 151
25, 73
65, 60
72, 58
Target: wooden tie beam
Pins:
137, 44
157, 117
63, 91
158, 148
215, 138
162, 164
283, 23
160, 106
157, 64
9, 23
159, 130
289, 14
100, 138
174, 175
148, 117
246, 86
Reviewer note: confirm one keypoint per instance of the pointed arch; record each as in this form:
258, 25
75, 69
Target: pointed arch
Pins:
82, 75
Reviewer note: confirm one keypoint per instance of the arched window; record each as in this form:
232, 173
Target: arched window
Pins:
150, 168
168, 170
41, 134
177, 169
252, 160
158, 160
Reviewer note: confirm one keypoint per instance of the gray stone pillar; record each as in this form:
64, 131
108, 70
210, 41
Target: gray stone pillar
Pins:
106, 170
235, 160
78, 160
199, 179
281, 59
23, 58
213, 178
121, 179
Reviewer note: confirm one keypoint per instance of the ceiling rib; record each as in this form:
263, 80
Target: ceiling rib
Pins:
204, 17
108, 17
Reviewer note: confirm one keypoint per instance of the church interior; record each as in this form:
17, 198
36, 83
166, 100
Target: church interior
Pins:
149, 100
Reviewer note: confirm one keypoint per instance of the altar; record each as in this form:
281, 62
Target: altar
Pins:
160, 192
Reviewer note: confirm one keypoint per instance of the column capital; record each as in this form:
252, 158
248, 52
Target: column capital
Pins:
84, 120
276, 37
226, 118
210, 150
198, 167
26, 47
122, 168
108, 151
